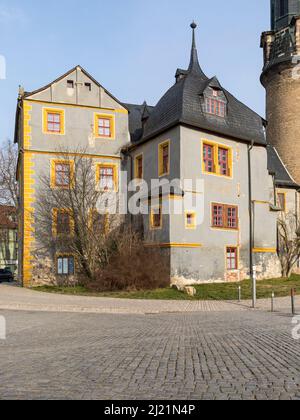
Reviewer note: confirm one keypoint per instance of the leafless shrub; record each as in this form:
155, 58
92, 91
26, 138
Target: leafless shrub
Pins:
8, 170
132, 266
288, 243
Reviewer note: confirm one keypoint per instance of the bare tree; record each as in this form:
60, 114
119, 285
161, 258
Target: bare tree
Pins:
288, 243
75, 218
8, 170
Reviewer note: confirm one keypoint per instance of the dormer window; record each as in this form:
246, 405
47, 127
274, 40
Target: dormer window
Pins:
215, 106
215, 102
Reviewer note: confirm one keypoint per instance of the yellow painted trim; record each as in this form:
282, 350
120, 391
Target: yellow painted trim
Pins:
86, 155
152, 226
193, 226
174, 245
216, 147
160, 158
53, 164
112, 119
117, 110
27, 235
136, 166
57, 111
265, 250
261, 202
26, 125
116, 174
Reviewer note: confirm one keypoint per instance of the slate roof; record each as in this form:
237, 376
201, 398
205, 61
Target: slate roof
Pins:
277, 167
182, 104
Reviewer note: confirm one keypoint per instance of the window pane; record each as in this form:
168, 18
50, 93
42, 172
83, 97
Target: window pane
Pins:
66, 266
59, 266
71, 266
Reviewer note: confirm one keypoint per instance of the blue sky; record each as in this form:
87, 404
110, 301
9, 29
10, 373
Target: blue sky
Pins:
132, 47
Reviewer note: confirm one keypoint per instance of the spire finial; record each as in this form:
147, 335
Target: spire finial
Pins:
194, 66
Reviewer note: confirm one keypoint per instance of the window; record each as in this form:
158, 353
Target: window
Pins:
62, 174
281, 201
65, 265
224, 216
215, 106
190, 220
104, 126
217, 159
54, 121
156, 218
218, 217
223, 161
139, 167
63, 223
208, 158
164, 158
231, 258
88, 86
107, 177
70, 84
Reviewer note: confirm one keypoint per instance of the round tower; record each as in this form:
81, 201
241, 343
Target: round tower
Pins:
281, 79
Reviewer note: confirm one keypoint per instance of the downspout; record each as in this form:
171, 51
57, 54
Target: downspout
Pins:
251, 230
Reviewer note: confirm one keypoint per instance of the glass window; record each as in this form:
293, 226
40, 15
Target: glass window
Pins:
62, 174
232, 258
107, 178
104, 127
66, 265
54, 122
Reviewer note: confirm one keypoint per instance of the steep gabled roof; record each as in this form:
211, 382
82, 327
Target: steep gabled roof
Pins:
183, 104
277, 168
28, 94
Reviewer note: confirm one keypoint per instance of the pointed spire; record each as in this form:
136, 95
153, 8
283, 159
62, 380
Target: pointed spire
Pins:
194, 66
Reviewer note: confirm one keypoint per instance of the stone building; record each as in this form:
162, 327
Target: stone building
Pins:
198, 132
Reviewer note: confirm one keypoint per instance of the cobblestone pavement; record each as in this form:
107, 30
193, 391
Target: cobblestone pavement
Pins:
15, 298
207, 355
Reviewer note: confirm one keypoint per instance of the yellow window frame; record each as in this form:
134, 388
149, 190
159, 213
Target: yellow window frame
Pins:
152, 214
194, 216
115, 168
55, 212
136, 166
61, 113
161, 147
55, 162
112, 119
216, 146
